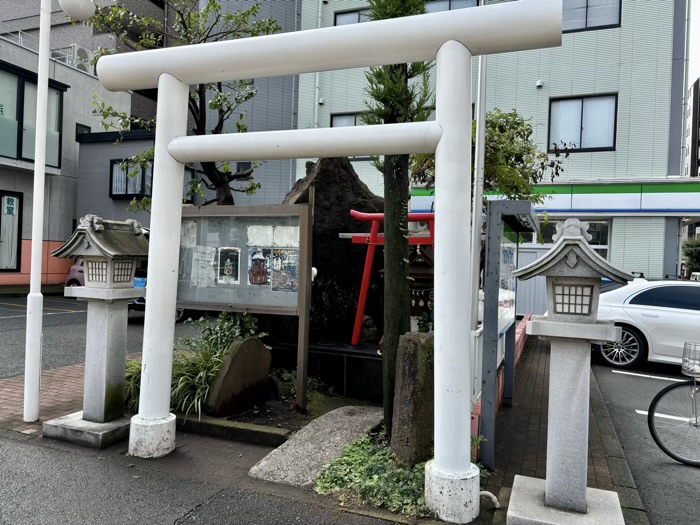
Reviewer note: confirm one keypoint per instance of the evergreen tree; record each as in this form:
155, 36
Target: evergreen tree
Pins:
396, 93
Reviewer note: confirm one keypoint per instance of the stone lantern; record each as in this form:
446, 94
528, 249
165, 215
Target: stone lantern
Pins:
110, 251
573, 271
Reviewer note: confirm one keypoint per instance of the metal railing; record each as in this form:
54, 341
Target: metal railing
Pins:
65, 55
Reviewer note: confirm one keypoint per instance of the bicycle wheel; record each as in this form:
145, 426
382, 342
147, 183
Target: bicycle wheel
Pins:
674, 423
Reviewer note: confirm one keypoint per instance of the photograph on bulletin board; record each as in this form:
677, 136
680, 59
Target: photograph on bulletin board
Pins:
285, 270
259, 266
229, 266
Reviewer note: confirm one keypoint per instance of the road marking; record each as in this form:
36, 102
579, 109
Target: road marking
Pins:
45, 308
675, 380
67, 312
664, 416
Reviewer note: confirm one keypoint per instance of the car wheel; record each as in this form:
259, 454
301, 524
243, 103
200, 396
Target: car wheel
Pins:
73, 283
628, 352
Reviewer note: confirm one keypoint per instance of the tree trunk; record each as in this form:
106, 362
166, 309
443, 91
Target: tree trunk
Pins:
397, 299
219, 181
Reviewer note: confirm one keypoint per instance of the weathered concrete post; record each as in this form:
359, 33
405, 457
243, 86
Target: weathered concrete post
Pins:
573, 271
110, 251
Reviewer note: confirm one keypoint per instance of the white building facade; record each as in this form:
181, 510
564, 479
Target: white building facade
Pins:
614, 91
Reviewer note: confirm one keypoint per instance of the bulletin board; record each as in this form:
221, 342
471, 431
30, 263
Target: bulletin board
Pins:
253, 259
244, 258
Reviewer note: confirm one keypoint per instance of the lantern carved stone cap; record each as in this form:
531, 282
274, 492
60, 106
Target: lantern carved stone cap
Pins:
98, 237
572, 256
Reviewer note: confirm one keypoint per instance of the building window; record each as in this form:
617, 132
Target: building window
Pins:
582, 15
433, 6
345, 120
82, 129
243, 166
10, 231
124, 186
351, 17
583, 124
9, 125
18, 117
599, 231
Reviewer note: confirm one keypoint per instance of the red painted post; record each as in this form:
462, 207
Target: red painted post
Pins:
372, 241
364, 289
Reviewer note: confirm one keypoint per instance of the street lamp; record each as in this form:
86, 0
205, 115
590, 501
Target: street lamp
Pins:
79, 10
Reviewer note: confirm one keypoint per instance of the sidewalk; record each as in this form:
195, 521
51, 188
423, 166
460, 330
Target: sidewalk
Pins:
521, 438
521, 435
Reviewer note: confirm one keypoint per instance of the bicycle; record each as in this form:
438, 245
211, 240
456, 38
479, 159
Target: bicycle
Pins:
674, 414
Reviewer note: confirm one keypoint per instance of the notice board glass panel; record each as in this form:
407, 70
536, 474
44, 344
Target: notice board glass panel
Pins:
240, 261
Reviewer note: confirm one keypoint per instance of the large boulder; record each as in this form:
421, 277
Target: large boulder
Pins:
338, 189
241, 383
412, 427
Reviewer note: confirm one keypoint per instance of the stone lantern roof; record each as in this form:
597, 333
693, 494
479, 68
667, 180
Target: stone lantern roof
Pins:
113, 240
572, 256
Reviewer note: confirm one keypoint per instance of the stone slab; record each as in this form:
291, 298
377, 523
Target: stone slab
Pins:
526, 507
104, 294
300, 460
74, 429
600, 331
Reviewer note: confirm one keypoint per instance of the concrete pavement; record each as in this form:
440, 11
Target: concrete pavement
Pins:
203, 481
218, 469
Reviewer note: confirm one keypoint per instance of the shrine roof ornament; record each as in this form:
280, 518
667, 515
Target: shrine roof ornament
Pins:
572, 255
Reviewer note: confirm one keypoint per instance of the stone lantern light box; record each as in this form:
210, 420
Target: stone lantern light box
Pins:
109, 249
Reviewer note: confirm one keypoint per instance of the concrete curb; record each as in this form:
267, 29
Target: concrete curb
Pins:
232, 430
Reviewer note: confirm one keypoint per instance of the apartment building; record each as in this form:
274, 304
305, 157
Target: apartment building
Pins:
71, 93
614, 91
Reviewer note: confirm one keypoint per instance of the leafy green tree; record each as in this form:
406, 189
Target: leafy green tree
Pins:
211, 105
512, 162
691, 250
396, 93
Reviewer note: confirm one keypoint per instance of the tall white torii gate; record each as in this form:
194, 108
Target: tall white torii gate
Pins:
451, 38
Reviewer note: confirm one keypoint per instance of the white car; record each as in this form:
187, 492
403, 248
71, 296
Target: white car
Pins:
657, 318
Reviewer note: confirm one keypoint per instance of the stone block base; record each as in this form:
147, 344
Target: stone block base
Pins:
453, 498
74, 429
152, 438
526, 506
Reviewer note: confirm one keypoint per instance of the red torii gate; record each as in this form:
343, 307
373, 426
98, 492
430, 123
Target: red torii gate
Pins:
372, 240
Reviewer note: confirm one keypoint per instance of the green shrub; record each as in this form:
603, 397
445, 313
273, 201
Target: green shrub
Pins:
195, 368
366, 473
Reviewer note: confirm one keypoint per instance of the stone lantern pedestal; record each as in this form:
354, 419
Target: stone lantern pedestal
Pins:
110, 251
573, 272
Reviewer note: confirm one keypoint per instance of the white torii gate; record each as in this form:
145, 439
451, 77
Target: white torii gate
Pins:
451, 38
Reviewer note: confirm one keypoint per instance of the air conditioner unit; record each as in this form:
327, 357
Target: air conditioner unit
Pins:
81, 58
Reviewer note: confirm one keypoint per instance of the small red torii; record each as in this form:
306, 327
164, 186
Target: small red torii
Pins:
372, 240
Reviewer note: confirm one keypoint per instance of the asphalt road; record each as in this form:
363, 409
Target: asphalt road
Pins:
64, 333
670, 491
42, 483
